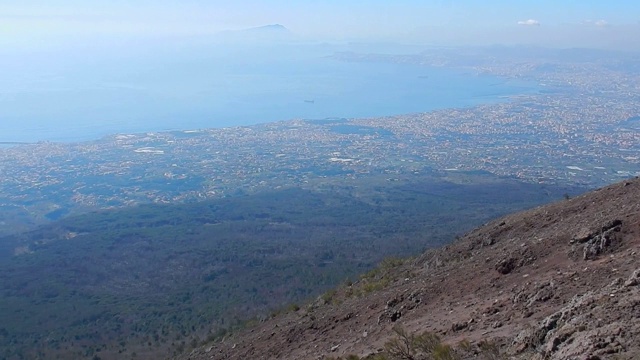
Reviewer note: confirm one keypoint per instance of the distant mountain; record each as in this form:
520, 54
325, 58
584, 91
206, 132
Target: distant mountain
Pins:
274, 28
560, 281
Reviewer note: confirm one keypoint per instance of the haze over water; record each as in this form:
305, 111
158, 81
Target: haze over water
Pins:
92, 92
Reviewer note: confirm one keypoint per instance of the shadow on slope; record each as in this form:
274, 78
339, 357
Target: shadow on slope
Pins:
158, 279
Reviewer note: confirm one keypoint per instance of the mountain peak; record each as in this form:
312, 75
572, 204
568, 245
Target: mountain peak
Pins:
272, 27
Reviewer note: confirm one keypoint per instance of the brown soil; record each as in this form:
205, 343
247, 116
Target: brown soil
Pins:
560, 281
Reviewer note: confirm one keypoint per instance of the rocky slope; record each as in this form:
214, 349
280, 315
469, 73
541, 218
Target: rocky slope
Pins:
560, 281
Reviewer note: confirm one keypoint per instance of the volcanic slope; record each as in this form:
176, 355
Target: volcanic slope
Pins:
560, 281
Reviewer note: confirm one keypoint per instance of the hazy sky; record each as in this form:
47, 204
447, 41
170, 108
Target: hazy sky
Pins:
611, 23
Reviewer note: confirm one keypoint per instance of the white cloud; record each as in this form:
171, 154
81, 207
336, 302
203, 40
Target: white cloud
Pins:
530, 22
597, 23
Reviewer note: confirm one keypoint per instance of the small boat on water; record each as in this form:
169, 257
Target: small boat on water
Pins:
310, 101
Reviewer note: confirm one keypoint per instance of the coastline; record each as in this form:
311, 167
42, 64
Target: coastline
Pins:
401, 90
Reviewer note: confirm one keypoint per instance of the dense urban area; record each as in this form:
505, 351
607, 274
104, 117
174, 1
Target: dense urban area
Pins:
581, 128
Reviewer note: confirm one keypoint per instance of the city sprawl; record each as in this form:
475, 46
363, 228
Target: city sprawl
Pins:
582, 128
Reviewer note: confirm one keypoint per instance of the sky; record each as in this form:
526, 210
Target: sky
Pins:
566, 23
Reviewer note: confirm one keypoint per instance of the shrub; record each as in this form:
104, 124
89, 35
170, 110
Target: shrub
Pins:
407, 346
328, 296
490, 350
429, 346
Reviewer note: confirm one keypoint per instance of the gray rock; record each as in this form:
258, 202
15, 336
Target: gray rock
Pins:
634, 279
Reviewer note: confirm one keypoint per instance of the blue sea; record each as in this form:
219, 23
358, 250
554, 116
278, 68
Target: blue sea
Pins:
89, 93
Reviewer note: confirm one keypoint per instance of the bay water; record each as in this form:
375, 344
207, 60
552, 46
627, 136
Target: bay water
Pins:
87, 93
